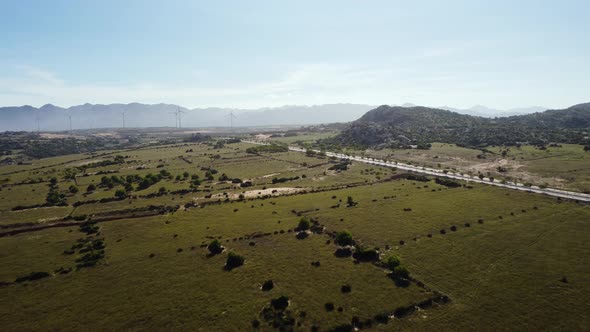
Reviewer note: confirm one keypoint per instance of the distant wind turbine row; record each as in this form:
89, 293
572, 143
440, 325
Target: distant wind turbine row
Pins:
177, 116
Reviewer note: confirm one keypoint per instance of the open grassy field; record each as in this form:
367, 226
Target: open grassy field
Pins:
480, 257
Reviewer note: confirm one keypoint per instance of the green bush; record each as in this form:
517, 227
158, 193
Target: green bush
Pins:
350, 202
366, 254
233, 260
392, 262
304, 224
344, 238
120, 193
215, 247
32, 276
281, 303
268, 285
400, 272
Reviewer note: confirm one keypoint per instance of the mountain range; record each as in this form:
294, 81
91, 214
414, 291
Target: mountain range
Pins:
55, 118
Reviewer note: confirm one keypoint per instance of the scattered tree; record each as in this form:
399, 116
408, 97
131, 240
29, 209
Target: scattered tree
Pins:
350, 202
344, 238
304, 224
215, 247
392, 262
233, 260
120, 193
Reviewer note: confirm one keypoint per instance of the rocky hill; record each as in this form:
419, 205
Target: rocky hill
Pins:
396, 126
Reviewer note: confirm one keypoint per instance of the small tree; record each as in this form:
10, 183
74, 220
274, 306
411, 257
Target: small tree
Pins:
400, 272
350, 201
120, 193
280, 303
162, 190
304, 224
215, 247
392, 262
73, 189
233, 260
344, 238
70, 174
91, 187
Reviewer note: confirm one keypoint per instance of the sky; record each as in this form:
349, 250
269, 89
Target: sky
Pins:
250, 54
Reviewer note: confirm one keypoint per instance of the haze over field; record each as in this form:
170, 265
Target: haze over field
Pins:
256, 54
88, 116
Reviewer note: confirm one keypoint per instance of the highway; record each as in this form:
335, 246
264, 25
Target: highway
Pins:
436, 172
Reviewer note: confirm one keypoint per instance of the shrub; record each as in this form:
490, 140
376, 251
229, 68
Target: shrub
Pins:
382, 318
120, 193
345, 289
73, 189
350, 202
91, 187
392, 262
366, 255
344, 238
304, 224
302, 235
447, 183
32, 276
329, 306
281, 303
400, 272
233, 260
268, 285
343, 252
215, 247
246, 184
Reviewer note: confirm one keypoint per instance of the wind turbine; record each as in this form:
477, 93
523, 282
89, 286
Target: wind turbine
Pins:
179, 112
231, 120
175, 118
70, 118
123, 113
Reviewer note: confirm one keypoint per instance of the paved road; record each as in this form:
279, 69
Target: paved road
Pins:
464, 177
